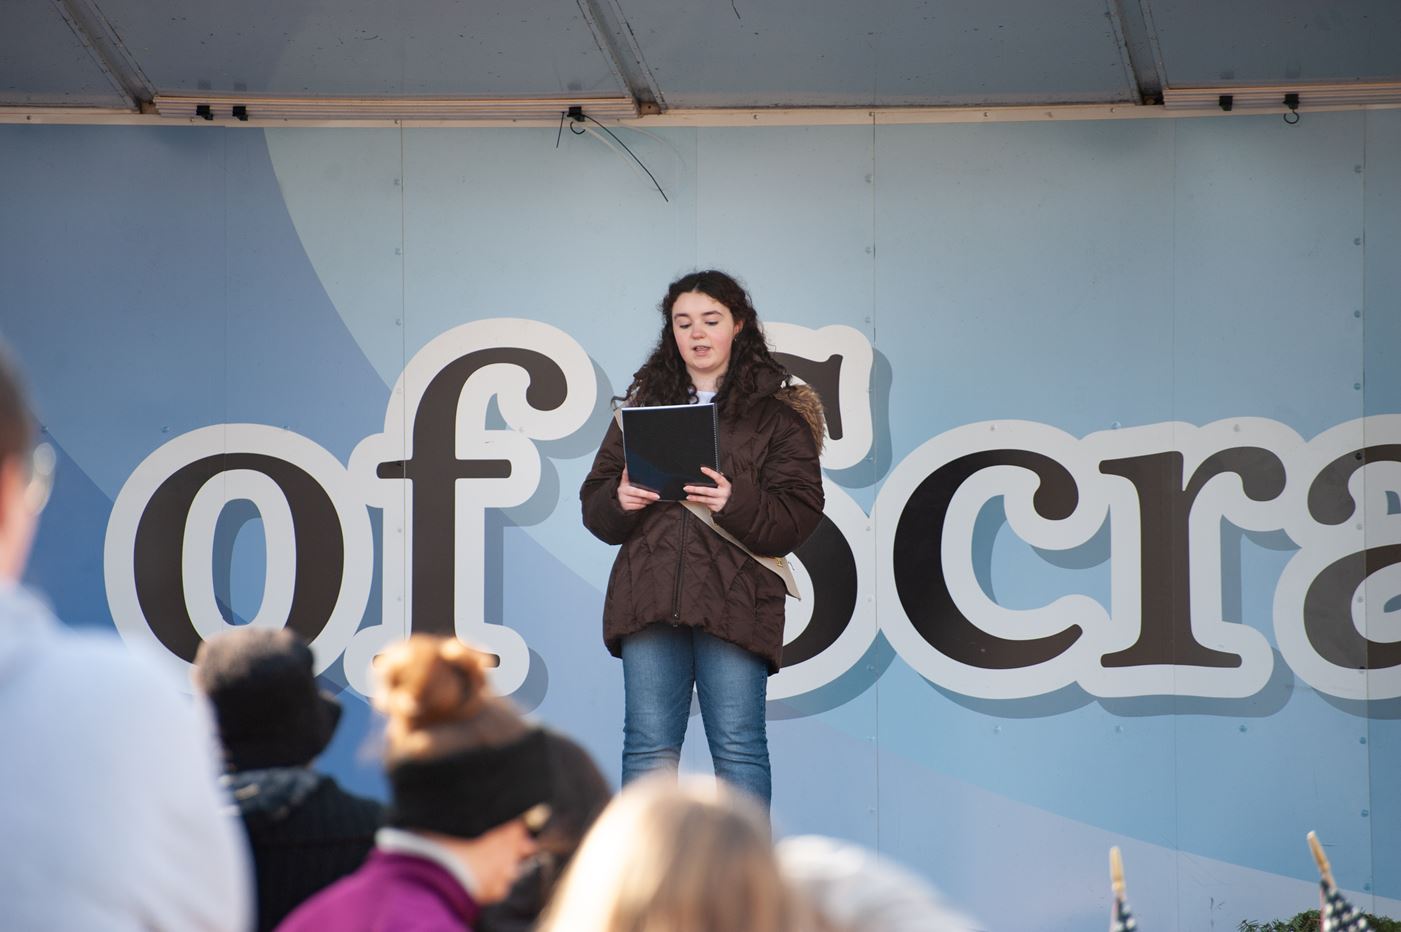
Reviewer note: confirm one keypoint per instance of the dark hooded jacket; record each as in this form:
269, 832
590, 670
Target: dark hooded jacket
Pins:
304, 832
673, 569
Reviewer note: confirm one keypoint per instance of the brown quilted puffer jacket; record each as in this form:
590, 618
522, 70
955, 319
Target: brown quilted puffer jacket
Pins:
672, 568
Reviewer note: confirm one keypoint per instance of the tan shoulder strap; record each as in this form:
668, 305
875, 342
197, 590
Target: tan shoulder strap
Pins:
776, 565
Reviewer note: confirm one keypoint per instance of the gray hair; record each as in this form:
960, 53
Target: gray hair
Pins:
854, 890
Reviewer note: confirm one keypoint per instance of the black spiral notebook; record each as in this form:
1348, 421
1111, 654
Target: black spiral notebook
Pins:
666, 446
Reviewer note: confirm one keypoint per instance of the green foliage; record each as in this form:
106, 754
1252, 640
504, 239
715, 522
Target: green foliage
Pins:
1308, 922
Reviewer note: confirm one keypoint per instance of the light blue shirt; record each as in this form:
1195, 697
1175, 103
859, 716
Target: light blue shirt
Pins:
110, 815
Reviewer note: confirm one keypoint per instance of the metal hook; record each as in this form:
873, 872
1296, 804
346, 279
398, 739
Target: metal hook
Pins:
1292, 102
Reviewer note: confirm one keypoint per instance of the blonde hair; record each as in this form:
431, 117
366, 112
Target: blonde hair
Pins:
435, 694
663, 857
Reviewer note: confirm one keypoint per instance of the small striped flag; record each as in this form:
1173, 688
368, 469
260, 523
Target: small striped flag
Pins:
1121, 920
1338, 915
1123, 917
1335, 913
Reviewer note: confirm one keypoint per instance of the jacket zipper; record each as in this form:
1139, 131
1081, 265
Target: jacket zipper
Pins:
680, 565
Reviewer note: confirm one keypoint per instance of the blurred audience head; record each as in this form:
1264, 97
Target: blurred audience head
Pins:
578, 793
25, 473
464, 768
667, 857
266, 701
850, 889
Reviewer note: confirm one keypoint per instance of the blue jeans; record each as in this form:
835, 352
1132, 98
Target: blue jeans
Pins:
660, 665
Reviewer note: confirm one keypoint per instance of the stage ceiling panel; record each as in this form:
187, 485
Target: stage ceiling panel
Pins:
722, 54
1210, 43
454, 48
44, 63
835, 53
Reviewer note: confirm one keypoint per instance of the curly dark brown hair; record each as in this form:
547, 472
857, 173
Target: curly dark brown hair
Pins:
663, 379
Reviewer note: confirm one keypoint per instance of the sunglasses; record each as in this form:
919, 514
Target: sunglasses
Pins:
536, 818
41, 477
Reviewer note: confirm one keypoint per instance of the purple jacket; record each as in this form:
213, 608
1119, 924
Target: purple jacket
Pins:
390, 893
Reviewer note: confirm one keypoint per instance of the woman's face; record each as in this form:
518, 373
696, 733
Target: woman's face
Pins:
704, 330
502, 851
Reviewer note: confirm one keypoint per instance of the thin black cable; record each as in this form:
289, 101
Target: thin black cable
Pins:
634, 157
559, 135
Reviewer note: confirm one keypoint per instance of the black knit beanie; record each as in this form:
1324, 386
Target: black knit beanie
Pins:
467, 792
265, 698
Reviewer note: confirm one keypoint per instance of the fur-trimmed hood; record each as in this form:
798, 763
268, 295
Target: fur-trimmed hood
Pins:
808, 404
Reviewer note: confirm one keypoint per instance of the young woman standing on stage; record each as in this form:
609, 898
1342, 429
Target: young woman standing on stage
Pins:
686, 608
